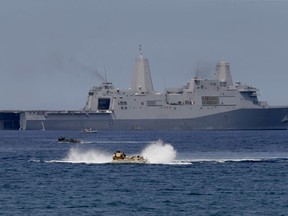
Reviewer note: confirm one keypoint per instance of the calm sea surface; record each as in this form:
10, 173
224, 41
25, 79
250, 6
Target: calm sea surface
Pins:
190, 173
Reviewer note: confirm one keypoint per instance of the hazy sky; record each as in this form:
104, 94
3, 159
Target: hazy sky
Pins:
53, 51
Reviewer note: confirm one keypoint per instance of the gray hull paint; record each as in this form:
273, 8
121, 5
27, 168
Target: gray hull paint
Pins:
242, 119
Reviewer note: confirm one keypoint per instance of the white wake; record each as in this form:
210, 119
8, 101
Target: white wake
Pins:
159, 152
91, 156
155, 152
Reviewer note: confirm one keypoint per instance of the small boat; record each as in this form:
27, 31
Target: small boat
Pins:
90, 130
121, 157
68, 140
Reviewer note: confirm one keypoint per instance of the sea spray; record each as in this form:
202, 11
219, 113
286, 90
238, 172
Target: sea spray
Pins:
159, 152
76, 155
156, 152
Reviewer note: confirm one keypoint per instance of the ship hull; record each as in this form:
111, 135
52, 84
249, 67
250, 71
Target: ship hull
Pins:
241, 119
9, 120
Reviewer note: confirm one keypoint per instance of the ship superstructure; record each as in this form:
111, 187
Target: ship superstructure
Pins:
201, 104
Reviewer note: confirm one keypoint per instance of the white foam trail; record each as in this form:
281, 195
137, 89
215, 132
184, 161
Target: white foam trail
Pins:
223, 157
159, 153
76, 155
156, 153
191, 161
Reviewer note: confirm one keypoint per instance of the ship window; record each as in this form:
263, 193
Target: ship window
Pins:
222, 84
151, 103
103, 103
210, 100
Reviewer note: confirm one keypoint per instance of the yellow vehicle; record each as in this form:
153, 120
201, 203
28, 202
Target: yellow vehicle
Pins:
121, 157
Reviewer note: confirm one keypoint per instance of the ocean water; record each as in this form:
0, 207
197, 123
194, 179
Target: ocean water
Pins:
189, 173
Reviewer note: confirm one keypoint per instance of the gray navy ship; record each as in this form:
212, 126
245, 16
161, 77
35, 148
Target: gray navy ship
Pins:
201, 104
